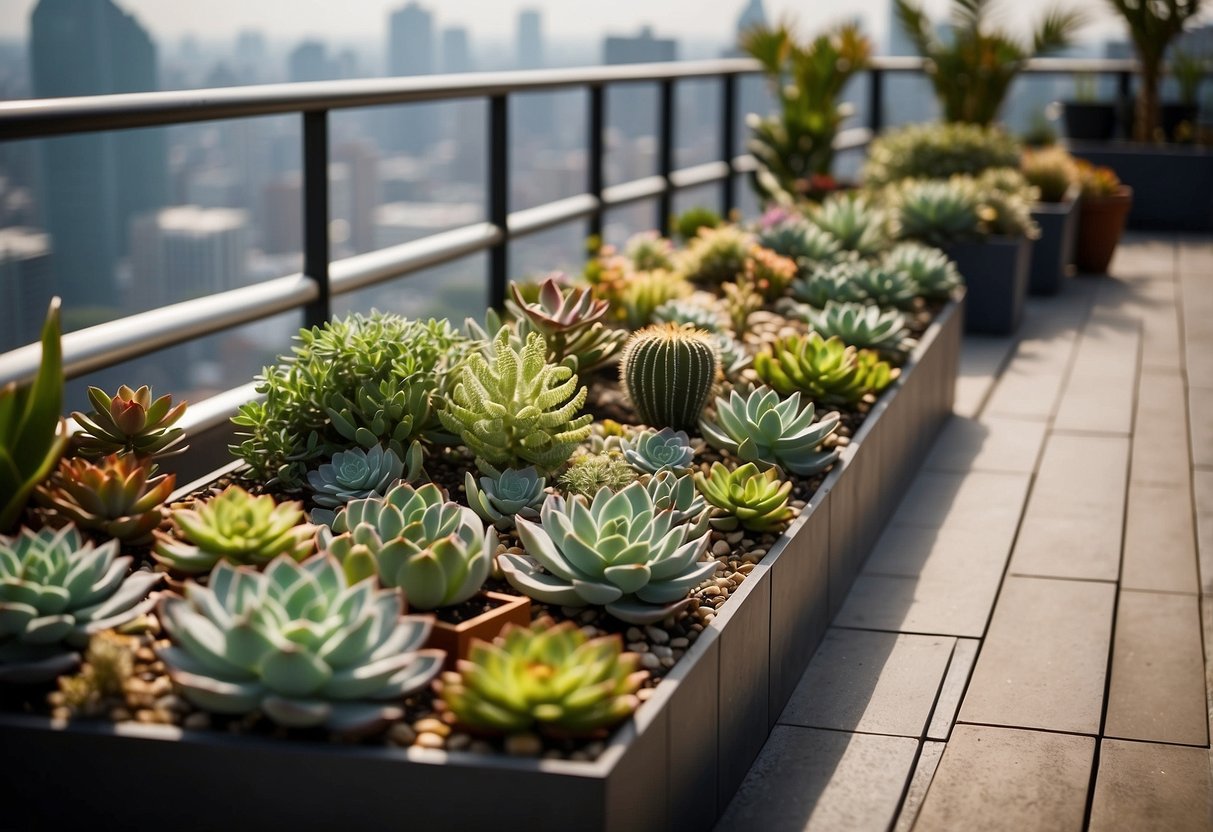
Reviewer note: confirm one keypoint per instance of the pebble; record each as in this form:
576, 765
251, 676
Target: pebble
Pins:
649, 661
120, 715
645, 694
429, 725
712, 591
680, 643
723, 583
735, 537
662, 652
523, 745
758, 553
657, 635
458, 742
160, 686
197, 721
668, 662
595, 749
145, 716
588, 616
638, 647
721, 548
634, 634
401, 734
172, 703
481, 747
429, 740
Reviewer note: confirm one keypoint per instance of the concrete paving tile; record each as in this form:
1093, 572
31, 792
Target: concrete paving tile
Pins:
1098, 395
1072, 526
956, 606
964, 656
995, 443
1140, 253
981, 359
1160, 546
924, 772
879, 683
1158, 672
1160, 431
1198, 327
808, 780
1202, 487
991, 502
1031, 384
922, 552
1044, 659
1148, 787
1200, 418
996, 779
1195, 255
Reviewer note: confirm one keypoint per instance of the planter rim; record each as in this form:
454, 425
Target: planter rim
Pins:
1128, 147
1067, 203
1123, 193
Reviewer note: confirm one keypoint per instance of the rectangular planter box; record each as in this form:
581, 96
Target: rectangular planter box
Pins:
674, 766
1053, 253
1172, 185
995, 272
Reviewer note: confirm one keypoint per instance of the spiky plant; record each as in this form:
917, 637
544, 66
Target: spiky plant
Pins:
515, 409
857, 325
769, 273
937, 151
129, 422
667, 371
939, 212
689, 222
1051, 170
641, 293
826, 371
649, 251
660, 450
357, 474
588, 473
570, 322
116, 496
747, 497
854, 221
740, 301
805, 243
511, 493
934, 275
699, 314
717, 255
762, 429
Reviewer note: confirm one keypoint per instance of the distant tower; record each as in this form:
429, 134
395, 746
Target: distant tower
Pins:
410, 52
752, 15
309, 61
94, 184
640, 115
534, 115
187, 251
456, 54
528, 45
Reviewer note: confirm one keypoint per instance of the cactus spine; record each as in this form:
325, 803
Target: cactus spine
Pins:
668, 373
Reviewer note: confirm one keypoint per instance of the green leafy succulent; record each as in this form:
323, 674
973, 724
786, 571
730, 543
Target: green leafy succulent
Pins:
116, 495
760, 428
717, 255
570, 322
297, 643
617, 550
852, 220
55, 591
755, 500
740, 302
649, 251
511, 493
660, 450
515, 409
684, 311
548, 677
936, 151
826, 371
835, 282
807, 244
689, 222
588, 473
129, 422
861, 326
734, 357
933, 273
637, 297
435, 550
939, 212
234, 526
356, 474
885, 287
677, 493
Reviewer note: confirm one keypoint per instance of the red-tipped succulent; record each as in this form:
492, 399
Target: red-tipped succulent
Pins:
129, 422
116, 495
558, 311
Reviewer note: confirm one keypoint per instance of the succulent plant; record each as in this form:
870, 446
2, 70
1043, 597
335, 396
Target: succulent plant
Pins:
936, 151
660, 450
1097, 181
588, 473
768, 273
853, 221
861, 326
689, 222
515, 409
33, 435
129, 422
717, 255
1007, 203
755, 500
667, 372
547, 677
435, 550
734, 357
932, 272
826, 371
513, 492
234, 526
641, 293
649, 251
116, 495
356, 474
740, 301
939, 212
296, 642
570, 321
681, 311
55, 591
1051, 170
885, 287
617, 550
760, 428
805, 243
677, 493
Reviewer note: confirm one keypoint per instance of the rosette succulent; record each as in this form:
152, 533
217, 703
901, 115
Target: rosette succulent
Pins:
768, 273
689, 311
55, 591
717, 255
807, 244
617, 550
760, 428
116, 495
934, 275
853, 221
861, 326
640, 294
734, 357
129, 422
827, 371
836, 282
548, 677
659, 450
677, 493
570, 322
234, 526
435, 550
885, 287
755, 500
511, 493
298, 643
939, 212
356, 474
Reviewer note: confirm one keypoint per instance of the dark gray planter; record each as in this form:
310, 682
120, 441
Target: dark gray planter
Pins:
995, 271
1053, 252
1172, 185
675, 766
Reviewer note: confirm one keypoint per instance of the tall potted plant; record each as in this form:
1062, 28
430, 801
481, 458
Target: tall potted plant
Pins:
795, 147
972, 69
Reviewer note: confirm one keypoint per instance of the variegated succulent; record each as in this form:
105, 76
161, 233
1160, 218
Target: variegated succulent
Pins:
762, 429
826, 371
356, 474
116, 495
747, 497
129, 422
511, 493
660, 450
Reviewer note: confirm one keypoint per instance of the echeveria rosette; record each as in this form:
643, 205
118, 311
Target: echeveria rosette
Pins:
438, 552
618, 551
932, 271
826, 371
570, 321
356, 474
660, 450
234, 526
767, 431
676, 493
835, 282
298, 643
56, 590
116, 495
511, 493
852, 220
548, 677
129, 422
862, 326
747, 497
795, 237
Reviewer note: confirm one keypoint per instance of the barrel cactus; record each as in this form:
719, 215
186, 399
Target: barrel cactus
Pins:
746, 497
667, 372
659, 450
116, 495
56, 590
934, 275
355, 474
510, 493
547, 677
617, 550
827, 371
296, 642
762, 429
129, 422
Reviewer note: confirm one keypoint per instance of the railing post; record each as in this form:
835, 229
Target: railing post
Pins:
665, 154
1124, 101
316, 214
875, 100
728, 140
499, 196
596, 154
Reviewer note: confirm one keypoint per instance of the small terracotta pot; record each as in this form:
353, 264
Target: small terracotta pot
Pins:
1101, 222
455, 639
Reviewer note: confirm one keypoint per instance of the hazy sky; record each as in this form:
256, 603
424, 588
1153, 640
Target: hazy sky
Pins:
494, 19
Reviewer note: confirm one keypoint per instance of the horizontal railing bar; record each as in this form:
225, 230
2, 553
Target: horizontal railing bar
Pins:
852, 138
362, 270
216, 410
634, 191
704, 174
530, 220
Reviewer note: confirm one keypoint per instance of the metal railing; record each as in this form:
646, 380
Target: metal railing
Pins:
322, 279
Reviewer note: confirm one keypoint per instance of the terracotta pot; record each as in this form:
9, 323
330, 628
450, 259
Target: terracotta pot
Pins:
1101, 221
455, 639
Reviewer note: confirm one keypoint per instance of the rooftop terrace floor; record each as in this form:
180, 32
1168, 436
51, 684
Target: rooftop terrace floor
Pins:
1025, 648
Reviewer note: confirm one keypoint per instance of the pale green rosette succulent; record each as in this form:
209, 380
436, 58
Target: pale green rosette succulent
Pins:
659, 450
512, 493
356, 474
760, 428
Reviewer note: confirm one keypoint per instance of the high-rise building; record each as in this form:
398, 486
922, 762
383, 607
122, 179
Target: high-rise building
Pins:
94, 184
528, 44
639, 116
361, 161
186, 251
309, 61
410, 51
534, 113
456, 50
281, 214
26, 285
